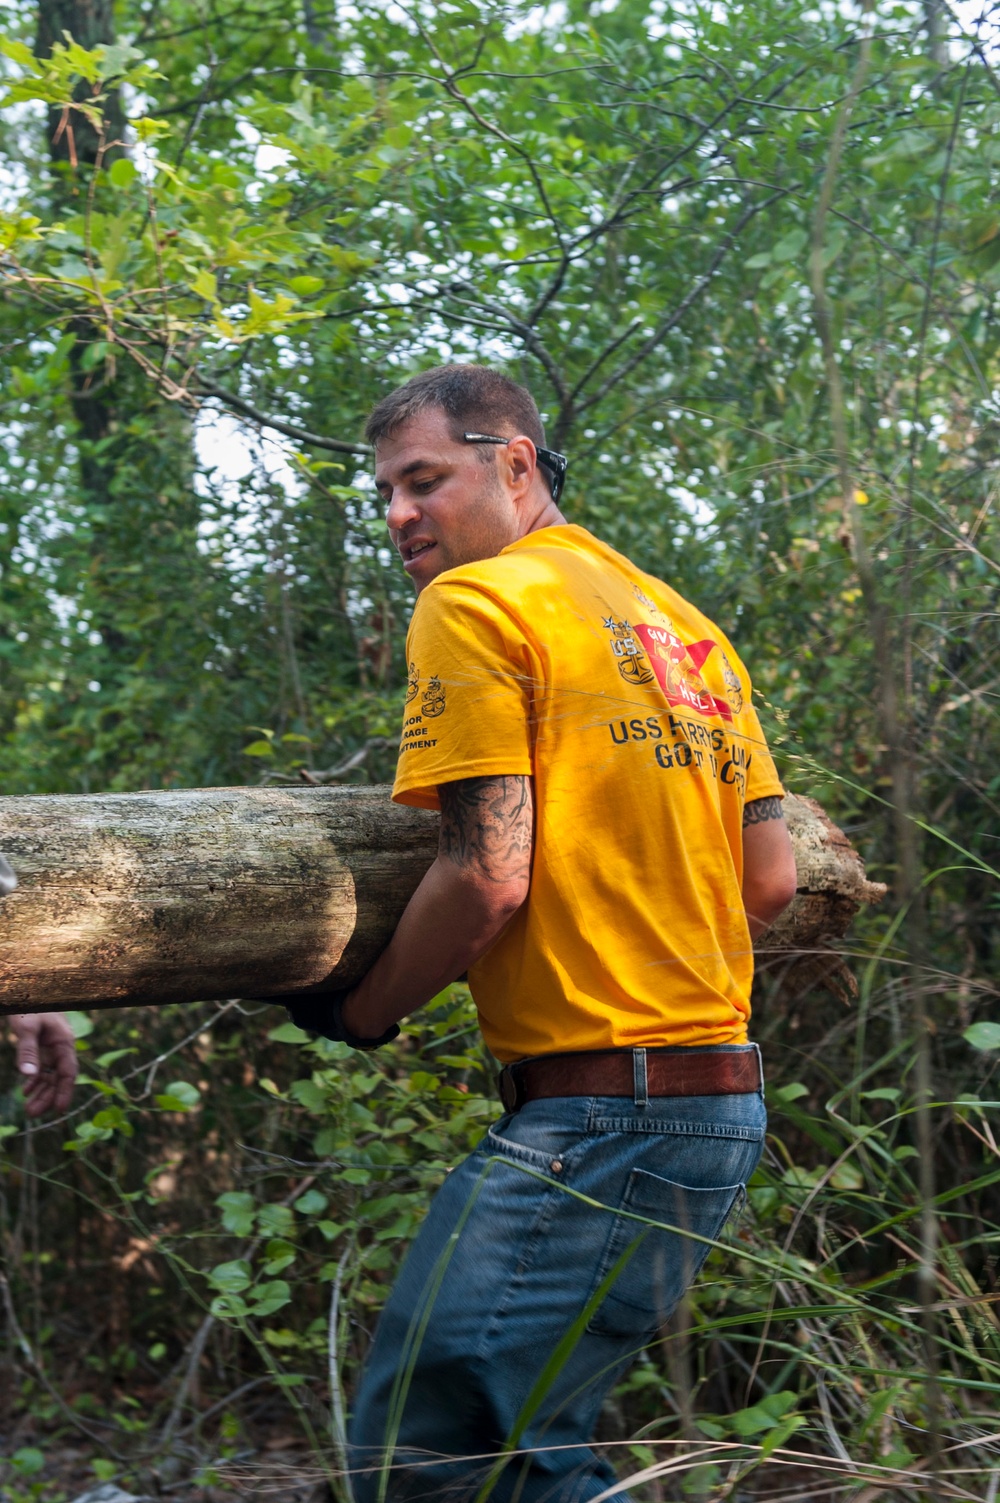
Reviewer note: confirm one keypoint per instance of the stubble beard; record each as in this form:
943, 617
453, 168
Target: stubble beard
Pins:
491, 525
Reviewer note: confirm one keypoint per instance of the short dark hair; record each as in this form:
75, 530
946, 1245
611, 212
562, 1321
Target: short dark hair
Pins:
474, 398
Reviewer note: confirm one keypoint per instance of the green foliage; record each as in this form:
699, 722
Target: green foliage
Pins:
620, 204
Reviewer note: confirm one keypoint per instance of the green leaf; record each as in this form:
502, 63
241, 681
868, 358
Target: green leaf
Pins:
259, 749
834, 245
311, 1203
763, 1416
238, 1210
283, 1339
27, 1461
304, 286
148, 129
228, 1306
206, 286
790, 246
80, 1024
117, 58
983, 1035
276, 1219
270, 1297
230, 1278
288, 1033
113, 1119
123, 172
179, 1096
104, 1060
279, 1255
18, 52
785, 1094
310, 1095
356, 1176
780, 1434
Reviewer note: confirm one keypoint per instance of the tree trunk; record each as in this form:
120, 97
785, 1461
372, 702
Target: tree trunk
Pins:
75, 140
148, 898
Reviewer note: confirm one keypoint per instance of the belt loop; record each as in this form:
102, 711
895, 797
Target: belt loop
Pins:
507, 1082
640, 1079
760, 1067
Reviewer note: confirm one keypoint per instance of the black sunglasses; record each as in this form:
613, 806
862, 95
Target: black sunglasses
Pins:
556, 464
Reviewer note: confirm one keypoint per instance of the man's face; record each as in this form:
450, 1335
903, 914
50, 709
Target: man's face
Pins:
444, 506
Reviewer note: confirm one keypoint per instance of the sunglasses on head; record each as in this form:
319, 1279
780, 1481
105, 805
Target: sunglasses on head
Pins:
556, 464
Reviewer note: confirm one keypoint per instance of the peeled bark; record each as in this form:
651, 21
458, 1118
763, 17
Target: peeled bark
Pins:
147, 898
802, 945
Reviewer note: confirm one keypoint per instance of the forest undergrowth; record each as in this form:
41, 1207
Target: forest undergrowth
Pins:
197, 1254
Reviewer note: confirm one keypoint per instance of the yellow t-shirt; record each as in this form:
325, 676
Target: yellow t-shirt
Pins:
632, 712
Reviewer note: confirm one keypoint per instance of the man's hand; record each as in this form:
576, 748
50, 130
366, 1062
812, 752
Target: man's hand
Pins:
46, 1059
323, 1013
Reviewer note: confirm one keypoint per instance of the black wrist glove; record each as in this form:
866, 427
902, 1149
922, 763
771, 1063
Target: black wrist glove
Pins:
325, 1015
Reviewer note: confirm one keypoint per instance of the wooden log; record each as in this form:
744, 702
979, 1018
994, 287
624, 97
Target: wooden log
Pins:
147, 898
803, 945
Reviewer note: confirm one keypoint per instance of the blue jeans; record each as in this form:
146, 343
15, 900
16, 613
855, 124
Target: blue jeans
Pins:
509, 1264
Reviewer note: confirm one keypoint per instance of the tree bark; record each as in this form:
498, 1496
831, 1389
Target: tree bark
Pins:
148, 898
91, 23
802, 948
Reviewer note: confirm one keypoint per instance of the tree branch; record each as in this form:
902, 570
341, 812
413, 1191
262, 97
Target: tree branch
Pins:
674, 317
290, 430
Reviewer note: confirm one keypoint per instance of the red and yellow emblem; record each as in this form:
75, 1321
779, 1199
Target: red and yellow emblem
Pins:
678, 670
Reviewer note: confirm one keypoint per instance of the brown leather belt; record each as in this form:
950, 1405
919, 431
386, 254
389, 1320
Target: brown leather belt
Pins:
639, 1073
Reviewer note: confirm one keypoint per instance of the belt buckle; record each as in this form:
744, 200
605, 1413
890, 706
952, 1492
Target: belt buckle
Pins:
510, 1094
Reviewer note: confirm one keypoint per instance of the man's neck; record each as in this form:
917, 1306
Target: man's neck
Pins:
546, 515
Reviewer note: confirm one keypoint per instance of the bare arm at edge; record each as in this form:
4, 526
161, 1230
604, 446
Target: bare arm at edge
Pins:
476, 884
768, 863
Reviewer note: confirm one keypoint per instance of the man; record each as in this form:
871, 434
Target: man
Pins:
611, 839
46, 1049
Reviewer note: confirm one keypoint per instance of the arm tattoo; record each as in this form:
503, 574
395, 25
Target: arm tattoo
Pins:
487, 824
759, 810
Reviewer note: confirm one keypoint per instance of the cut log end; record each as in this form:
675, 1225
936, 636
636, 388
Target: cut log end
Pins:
801, 947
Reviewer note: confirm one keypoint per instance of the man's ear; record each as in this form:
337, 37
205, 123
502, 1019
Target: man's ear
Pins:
521, 459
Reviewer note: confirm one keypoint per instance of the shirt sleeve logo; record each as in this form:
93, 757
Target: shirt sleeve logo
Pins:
433, 702
412, 682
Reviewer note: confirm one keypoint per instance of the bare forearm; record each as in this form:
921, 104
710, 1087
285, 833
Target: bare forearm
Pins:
447, 925
477, 883
768, 864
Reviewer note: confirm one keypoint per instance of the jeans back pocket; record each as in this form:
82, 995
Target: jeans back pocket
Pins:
662, 1263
